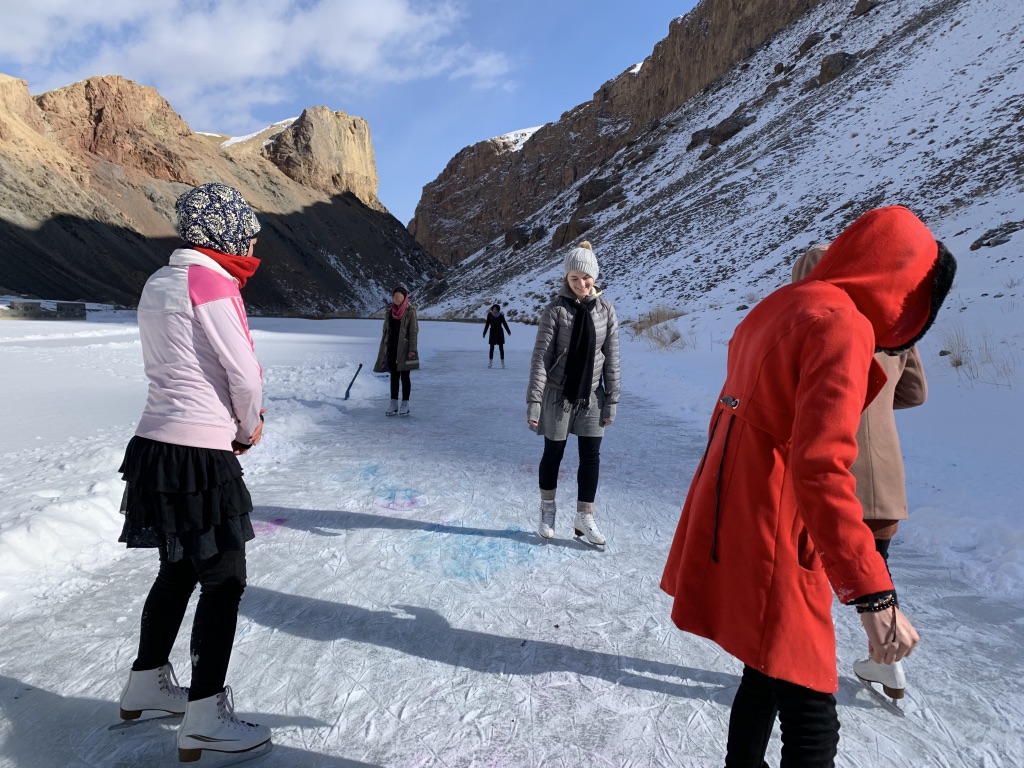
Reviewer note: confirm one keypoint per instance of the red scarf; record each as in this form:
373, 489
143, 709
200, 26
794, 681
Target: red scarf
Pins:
239, 267
398, 312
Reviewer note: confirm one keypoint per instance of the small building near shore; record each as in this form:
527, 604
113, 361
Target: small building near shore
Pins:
18, 309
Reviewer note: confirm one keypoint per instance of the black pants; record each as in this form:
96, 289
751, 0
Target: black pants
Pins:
589, 471
501, 351
222, 580
406, 384
810, 727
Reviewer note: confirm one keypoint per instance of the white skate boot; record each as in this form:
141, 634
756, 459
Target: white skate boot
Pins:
392, 409
891, 676
586, 525
152, 689
490, 363
404, 408
546, 526
210, 724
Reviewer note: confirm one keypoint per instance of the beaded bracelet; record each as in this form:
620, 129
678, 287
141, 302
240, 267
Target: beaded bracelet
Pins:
880, 603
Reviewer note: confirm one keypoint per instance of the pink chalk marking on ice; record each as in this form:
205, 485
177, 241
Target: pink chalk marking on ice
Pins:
274, 525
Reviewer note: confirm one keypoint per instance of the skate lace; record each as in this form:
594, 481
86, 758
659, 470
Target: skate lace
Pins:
589, 522
169, 682
227, 708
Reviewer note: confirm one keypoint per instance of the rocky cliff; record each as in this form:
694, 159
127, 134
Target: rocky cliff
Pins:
488, 188
853, 105
90, 173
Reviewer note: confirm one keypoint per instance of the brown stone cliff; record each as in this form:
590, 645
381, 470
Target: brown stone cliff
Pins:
91, 172
487, 188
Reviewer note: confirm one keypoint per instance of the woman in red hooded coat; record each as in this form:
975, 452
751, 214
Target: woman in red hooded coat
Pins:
771, 518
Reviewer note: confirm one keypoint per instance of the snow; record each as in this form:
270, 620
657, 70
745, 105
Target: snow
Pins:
400, 610
281, 124
518, 138
928, 117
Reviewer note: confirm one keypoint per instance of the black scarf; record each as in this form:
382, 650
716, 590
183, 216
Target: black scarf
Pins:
579, 362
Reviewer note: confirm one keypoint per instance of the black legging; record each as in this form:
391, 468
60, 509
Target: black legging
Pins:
810, 727
586, 477
501, 351
406, 384
222, 580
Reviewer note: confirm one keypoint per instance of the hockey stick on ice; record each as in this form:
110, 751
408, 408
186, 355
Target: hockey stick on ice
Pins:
353, 380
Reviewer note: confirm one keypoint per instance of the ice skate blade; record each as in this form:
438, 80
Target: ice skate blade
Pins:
224, 758
135, 714
132, 722
888, 701
582, 535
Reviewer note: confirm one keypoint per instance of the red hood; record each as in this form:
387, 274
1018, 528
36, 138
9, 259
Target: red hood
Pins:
886, 262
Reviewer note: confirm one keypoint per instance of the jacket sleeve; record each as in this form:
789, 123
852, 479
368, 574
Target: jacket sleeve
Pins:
547, 336
505, 323
413, 335
227, 329
611, 372
487, 323
834, 361
912, 388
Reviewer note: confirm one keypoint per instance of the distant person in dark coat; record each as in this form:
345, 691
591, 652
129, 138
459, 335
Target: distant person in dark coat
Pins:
495, 321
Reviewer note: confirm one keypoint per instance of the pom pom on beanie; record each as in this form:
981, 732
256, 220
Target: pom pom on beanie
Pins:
582, 259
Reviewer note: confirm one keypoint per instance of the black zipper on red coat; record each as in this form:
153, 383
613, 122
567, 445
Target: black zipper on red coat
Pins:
711, 436
733, 403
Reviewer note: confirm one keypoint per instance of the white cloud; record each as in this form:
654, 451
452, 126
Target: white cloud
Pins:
209, 58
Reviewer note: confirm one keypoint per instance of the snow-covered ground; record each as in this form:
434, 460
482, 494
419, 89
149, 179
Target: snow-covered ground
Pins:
401, 612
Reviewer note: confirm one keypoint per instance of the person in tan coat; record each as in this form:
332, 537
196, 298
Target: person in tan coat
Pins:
878, 470
399, 353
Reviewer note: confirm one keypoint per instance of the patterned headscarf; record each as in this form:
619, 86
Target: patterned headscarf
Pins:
215, 216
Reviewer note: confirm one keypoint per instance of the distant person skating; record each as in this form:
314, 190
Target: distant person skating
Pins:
185, 495
398, 352
881, 481
772, 518
494, 323
574, 387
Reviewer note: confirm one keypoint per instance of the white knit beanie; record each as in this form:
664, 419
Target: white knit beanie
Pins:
582, 259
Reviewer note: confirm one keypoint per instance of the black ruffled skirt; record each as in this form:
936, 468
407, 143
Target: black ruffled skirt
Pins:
190, 501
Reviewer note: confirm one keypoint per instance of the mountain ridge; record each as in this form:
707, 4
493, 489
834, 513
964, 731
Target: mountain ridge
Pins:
916, 102
91, 172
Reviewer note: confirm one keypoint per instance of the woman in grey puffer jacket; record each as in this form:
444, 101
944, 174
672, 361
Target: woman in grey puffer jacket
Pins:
574, 387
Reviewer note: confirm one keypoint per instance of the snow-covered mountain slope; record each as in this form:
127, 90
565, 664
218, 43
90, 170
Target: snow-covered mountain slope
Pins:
928, 114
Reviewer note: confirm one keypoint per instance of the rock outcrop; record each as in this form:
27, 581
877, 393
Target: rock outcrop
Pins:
91, 172
328, 151
490, 187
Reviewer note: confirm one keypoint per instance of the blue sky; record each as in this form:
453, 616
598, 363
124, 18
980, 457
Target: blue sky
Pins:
430, 77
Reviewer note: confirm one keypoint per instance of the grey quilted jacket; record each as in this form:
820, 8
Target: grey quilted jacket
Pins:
547, 367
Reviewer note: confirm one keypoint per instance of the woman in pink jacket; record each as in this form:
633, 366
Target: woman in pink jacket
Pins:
185, 495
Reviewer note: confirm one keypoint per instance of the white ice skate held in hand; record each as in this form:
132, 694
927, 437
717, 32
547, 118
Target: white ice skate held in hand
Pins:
890, 676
